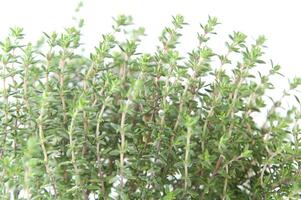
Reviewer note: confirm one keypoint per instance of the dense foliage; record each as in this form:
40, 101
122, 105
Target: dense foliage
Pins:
123, 124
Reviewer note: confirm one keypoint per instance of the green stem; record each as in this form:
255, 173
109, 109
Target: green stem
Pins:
6, 112
97, 133
71, 142
216, 96
42, 142
62, 95
122, 145
86, 125
186, 162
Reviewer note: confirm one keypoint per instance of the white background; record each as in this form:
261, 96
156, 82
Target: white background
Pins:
278, 20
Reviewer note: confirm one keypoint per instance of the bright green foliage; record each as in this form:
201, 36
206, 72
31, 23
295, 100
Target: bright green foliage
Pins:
123, 124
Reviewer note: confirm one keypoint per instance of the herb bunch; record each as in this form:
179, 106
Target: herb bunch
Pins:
123, 124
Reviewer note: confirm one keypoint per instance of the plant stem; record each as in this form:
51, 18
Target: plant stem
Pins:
182, 101
225, 185
186, 162
71, 142
42, 141
25, 87
62, 95
6, 112
97, 132
122, 145
216, 96
86, 125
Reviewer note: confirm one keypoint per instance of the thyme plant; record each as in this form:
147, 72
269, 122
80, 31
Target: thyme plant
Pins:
124, 124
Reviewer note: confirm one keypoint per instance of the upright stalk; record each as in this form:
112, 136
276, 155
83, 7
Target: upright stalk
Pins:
5, 105
216, 96
122, 143
5, 131
122, 74
72, 146
186, 161
86, 123
42, 141
25, 86
62, 94
97, 132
